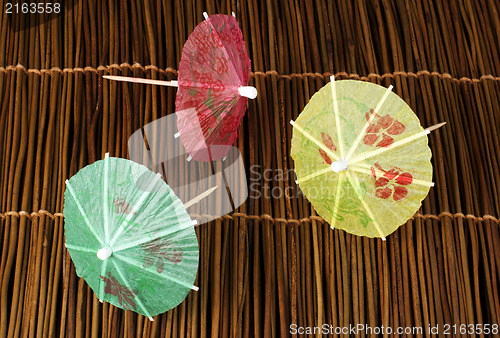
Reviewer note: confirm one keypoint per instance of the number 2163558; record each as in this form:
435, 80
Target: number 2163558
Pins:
32, 8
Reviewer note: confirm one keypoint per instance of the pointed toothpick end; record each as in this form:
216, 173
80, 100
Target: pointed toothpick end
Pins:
292, 122
151, 319
195, 288
383, 238
434, 127
199, 197
205, 15
113, 77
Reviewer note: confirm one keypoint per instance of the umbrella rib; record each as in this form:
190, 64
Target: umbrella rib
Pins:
121, 228
78, 248
85, 217
367, 172
395, 144
226, 55
106, 196
147, 239
368, 123
337, 118
367, 208
101, 282
313, 175
337, 198
128, 286
170, 278
309, 136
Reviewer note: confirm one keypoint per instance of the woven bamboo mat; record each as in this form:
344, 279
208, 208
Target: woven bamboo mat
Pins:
273, 263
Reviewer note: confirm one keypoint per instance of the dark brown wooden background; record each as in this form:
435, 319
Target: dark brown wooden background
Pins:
274, 263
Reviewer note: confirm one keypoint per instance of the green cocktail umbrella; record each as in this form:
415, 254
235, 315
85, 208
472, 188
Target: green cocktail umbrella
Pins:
130, 237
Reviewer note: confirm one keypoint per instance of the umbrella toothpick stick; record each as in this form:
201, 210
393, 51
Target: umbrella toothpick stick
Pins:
141, 80
246, 91
396, 144
199, 197
366, 171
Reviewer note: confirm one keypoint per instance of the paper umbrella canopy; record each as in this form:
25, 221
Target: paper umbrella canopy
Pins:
129, 236
361, 157
212, 87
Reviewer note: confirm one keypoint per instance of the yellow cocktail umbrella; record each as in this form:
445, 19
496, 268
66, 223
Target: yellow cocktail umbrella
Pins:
361, 157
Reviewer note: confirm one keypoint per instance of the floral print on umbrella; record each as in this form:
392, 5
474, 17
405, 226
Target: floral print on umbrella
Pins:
122, 207
391, 183
125, 295
381, 128
158, 251
327, 140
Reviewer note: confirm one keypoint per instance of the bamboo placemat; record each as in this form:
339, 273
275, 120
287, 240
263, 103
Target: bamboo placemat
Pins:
273, 263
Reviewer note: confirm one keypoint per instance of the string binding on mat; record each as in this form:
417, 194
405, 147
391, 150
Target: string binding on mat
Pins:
267, 217
172, 71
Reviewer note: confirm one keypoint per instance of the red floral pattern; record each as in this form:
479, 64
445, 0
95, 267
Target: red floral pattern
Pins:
207, 81
382, 127
161, 249
203, 57
225, 37
196, 98
125, 296
220, 65
327, 141
122, 207
204, 43
391, 183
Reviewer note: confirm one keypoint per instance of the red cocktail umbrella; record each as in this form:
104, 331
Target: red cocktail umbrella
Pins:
212, 80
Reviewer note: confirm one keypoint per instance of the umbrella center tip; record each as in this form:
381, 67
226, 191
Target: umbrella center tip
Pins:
104, 253
248, 91
340, 165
